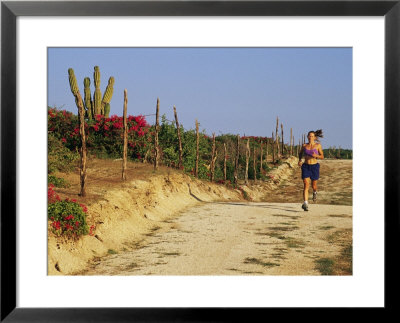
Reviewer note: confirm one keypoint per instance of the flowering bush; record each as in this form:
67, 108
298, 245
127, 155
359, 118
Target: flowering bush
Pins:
66, 218
104, 135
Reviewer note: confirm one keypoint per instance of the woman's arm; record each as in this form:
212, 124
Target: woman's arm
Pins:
321, 152
301, 155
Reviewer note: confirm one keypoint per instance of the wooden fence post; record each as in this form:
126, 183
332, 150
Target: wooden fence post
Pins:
236, 173
246, 174
83, 142
261, 156
225, 158
125, 153
196, 170
254, 164
273, 148
283, 144
156, 148
179, 139
277, 137
213, 158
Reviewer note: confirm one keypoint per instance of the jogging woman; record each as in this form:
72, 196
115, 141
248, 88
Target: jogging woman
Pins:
312, 151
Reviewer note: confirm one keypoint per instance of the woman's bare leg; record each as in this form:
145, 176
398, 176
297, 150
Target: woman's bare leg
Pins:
314, 187
306, 182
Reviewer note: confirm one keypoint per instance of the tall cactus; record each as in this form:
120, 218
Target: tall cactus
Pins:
97, 92
97, 104
88, 98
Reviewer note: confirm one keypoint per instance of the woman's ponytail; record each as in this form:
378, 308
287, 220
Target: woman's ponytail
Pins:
318, 133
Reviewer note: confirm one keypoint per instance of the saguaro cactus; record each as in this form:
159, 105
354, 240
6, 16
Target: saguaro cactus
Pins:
97, 104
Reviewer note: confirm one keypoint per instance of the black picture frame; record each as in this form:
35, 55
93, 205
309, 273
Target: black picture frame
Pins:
10, 10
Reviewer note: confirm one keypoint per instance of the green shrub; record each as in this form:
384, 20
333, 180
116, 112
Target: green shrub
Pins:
67, 218
57, 181
60, 158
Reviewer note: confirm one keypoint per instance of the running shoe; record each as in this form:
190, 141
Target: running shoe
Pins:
305, 206
314, 196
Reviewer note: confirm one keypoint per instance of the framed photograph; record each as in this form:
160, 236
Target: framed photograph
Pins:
356, 41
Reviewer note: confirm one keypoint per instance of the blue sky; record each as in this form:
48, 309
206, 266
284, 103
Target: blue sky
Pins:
229, 90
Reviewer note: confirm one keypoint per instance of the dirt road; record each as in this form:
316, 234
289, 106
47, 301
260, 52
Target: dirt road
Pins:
238, 238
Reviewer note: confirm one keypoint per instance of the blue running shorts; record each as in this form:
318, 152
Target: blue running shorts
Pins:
310, 171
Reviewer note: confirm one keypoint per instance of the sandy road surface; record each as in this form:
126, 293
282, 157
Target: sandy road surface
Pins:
274, 237
237, 239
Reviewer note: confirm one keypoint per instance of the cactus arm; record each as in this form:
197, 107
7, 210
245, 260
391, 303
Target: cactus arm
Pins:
97, 92
88, 98
72, 82
108, 93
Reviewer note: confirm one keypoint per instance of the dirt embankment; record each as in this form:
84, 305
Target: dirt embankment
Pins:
127, 212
